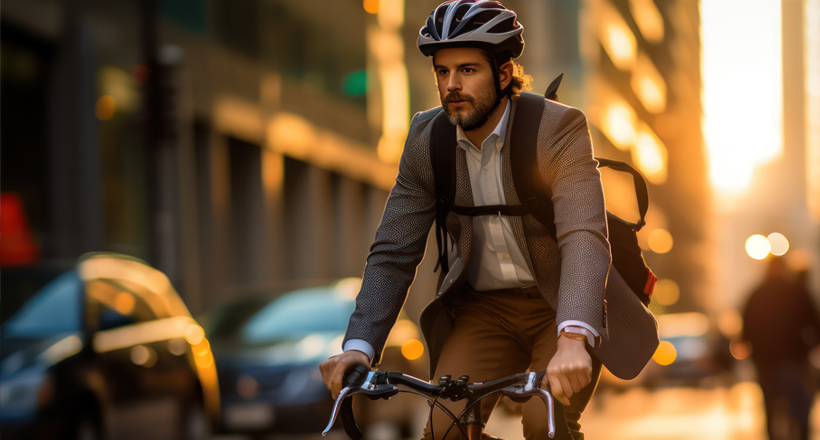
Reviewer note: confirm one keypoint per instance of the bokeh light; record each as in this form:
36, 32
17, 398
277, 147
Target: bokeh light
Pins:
617, 39
650, 155
247, 386
619, 125
648, 84
412, 349
371, 6
194, 334
143, 356
660, 241
203, 361
665, 354
779, 243
730, 323
124, 303
648, 18
177, 346
740, 349
758, 247
105, 107
667, 292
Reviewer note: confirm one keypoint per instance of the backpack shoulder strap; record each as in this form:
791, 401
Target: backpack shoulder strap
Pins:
530, 187
640, 186
443, 161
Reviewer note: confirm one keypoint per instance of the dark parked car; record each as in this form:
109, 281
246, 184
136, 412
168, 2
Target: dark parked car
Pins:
268, 348
107, 350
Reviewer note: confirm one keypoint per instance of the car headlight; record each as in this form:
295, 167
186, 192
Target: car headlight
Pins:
28, 389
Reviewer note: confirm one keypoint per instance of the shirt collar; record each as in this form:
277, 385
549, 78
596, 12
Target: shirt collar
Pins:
500, 132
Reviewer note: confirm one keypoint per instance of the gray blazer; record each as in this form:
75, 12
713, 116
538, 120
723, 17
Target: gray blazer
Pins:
573, 273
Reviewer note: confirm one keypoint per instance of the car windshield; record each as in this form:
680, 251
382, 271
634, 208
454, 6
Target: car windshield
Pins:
297, 315
54, 309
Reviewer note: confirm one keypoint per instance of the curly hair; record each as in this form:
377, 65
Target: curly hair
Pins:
520, 82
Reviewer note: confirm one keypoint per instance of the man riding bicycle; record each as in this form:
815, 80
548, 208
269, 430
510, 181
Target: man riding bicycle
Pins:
514, 298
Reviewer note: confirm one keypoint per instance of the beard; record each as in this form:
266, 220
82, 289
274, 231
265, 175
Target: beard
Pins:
482, 105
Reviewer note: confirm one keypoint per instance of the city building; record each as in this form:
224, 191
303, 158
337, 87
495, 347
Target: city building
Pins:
237, 145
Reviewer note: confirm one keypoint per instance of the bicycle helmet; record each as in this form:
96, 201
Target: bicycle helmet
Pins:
472, 23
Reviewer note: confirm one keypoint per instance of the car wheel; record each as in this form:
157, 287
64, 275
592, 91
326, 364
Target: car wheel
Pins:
194, 423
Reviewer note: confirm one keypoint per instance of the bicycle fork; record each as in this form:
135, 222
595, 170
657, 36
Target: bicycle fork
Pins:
472, 420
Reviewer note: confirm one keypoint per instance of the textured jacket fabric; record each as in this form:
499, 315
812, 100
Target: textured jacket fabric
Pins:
573, 274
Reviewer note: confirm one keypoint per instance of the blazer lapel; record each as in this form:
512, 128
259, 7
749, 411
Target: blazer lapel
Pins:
464, 197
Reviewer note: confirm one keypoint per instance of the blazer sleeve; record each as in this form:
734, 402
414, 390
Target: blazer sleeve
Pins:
399, 244
580, 216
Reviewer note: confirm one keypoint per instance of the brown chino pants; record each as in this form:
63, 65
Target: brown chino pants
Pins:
499, 333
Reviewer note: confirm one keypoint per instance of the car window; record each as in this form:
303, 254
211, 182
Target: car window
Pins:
299, 314
227, 322
54, 309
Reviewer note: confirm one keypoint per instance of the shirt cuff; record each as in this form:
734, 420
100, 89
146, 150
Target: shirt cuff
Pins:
592, 337
360, 345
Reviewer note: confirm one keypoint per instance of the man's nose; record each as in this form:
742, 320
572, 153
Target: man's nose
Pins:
453, 83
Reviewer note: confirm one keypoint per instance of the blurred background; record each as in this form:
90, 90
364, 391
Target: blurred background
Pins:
243, 151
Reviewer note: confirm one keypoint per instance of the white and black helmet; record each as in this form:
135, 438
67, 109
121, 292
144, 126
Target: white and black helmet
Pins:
472, 23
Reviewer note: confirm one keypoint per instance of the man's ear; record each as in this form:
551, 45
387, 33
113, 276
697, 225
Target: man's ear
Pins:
505, 74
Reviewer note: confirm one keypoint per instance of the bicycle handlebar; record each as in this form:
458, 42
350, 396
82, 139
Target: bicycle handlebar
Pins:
384, 385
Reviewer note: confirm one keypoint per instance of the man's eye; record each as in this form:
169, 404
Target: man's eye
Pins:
468, 70
442, 72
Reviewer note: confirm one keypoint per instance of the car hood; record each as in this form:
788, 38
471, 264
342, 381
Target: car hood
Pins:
288, 351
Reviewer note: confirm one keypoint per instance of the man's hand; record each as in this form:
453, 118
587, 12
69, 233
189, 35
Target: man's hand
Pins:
333, 369
570, 370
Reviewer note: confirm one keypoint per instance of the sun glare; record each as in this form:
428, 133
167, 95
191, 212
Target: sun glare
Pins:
742, 89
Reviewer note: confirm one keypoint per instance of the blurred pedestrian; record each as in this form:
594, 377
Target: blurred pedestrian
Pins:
781, 324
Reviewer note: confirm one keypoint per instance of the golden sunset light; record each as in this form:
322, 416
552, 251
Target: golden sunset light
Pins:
742, 92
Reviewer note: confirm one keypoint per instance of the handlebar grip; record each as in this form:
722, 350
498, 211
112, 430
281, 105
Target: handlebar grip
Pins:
349, 421
561, 426
539, 376
355, 376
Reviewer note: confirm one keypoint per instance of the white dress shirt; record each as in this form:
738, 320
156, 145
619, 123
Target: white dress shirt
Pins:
496, 262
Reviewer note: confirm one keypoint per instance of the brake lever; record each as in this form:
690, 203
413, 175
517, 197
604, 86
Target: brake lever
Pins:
373, 391
530, 389
336, 405
520, 395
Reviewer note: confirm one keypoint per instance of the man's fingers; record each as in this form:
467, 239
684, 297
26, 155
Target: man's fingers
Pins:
566, 386
575, 380
335, 367
338, 375
557, 389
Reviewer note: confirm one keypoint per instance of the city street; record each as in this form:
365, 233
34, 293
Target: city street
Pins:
668, 414
204, 202
722, 413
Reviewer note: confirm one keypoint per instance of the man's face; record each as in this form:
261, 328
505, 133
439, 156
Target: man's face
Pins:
465, 85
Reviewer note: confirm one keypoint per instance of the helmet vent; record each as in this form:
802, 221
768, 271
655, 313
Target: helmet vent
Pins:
504, 26
476, 22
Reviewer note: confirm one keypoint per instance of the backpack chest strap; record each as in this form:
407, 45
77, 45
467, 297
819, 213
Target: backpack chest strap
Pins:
507, 210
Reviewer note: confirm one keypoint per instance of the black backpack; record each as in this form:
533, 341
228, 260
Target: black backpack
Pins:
535, 194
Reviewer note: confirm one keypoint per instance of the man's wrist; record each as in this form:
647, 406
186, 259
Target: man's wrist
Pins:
360, 345
578, 333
